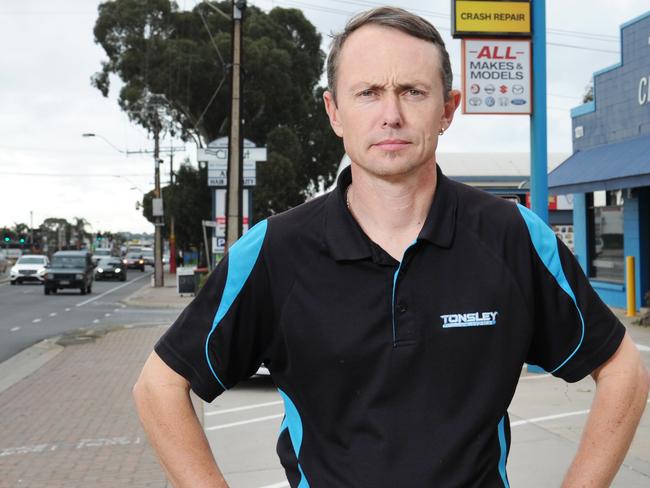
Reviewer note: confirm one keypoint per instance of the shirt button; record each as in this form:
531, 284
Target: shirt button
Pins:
401, 307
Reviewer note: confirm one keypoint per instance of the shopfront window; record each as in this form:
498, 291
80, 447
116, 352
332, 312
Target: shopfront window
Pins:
607, 258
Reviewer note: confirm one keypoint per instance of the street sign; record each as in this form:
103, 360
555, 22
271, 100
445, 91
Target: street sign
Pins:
472, 18
220, 154
157, 207
496, 76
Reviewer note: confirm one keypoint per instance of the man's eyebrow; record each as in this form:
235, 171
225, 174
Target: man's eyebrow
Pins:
363, 85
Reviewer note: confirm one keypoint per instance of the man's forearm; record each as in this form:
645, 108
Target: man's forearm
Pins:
621, 394
174, 431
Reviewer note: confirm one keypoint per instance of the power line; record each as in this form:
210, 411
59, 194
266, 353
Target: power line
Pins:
73, 175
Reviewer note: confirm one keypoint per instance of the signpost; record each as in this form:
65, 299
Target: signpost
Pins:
496, 76
491, 19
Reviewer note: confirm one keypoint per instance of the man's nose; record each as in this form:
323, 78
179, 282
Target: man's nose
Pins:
392, 112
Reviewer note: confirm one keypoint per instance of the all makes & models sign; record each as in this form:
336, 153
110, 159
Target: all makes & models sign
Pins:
496, 76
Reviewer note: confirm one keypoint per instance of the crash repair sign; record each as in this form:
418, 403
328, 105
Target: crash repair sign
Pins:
497, 77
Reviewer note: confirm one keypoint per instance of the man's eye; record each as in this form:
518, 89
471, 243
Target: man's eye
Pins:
414, 93
366, 93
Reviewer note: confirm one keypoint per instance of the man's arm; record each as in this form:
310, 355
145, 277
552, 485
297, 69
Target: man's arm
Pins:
166, 412
621, 393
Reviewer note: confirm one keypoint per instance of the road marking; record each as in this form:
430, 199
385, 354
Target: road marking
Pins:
107, 315
244, 422
536, 376
282, 484
68, 309
96, 321
36, 321
53, 314
116, 310
110, 291
240, 409
643, 348
537, 420
14, 329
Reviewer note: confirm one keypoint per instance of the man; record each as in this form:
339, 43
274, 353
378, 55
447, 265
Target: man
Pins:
396, 312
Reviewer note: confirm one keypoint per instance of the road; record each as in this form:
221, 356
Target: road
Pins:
28, 316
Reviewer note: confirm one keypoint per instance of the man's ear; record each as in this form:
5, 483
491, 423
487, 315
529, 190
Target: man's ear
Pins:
333, 112
450, 109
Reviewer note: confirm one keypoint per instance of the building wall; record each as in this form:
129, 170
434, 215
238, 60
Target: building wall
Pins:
616, 114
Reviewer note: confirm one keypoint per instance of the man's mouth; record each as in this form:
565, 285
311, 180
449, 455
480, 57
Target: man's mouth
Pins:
392, 144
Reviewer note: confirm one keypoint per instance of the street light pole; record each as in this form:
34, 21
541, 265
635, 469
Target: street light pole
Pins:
158, 277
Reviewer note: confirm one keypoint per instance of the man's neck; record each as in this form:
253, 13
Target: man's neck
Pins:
392, 211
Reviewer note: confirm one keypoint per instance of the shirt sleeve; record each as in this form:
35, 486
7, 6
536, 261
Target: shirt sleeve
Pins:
574, 331
223, 334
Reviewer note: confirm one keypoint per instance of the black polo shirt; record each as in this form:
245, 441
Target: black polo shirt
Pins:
394, 373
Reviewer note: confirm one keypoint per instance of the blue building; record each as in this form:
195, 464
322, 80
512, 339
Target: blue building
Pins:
609, 170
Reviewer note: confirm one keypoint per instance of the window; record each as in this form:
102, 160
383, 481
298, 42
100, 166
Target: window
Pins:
606, 240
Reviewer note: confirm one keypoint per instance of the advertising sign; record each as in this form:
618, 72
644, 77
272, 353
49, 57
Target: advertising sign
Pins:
496, 75
491, 18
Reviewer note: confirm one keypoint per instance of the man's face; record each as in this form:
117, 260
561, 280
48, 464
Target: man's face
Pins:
389, 101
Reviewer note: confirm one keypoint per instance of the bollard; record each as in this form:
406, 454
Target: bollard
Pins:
630, 286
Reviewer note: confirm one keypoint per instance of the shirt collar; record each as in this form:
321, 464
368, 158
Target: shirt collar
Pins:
347, 241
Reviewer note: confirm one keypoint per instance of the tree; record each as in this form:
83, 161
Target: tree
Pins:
188, 201
175, 72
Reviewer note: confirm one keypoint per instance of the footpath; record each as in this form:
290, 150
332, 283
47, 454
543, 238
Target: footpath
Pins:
68, 418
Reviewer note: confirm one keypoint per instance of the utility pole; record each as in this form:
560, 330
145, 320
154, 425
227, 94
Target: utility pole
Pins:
235, 166
172, 234
158, 277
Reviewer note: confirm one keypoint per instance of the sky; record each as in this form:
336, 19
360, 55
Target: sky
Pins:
48, 55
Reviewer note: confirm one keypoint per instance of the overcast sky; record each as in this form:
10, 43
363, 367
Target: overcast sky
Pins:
46, 102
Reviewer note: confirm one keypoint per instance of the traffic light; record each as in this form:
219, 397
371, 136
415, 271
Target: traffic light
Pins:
7, 239
22, 240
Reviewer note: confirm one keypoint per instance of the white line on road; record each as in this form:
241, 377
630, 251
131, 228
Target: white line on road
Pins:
14, 329
277, 485
239, 409
107, 315
110, 291
68, 309
53, 314
550, 417
643, 348
96, 321
244, 422
36, 321
536, 376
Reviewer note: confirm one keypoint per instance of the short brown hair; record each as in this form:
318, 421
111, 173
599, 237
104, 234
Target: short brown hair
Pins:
395, 18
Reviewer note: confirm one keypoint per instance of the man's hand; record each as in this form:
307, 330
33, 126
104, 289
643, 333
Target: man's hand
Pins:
622, 385
166, 412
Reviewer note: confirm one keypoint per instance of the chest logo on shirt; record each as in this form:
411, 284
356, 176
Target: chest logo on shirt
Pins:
473, 319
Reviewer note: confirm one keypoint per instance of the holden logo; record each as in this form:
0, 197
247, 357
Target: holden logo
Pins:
474, 89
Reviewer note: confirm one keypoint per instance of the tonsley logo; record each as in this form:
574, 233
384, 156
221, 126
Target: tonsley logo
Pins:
474, 319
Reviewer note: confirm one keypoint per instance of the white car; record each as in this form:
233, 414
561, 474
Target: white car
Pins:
29, 267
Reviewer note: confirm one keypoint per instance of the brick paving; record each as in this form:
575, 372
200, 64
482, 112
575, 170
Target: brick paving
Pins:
73, 422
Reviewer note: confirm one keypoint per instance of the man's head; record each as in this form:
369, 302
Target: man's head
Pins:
394, 18
392, 94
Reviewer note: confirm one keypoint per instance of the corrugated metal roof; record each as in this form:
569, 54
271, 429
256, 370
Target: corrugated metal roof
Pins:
614, 166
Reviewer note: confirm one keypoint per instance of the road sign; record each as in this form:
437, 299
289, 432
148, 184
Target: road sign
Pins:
220, 154
496, 76
471, 18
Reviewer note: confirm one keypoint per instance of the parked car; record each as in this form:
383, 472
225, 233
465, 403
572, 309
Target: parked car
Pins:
110, 268
134, 260
4, 262
70, 269
29, 267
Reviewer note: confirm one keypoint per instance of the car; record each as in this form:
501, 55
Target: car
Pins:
134, 260
110, 268
101, 252
148, 256
29, 267
70, 269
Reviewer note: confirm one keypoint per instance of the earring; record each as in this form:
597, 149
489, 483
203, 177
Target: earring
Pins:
442, 131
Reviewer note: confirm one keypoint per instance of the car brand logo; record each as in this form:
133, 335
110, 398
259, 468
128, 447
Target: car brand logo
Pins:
518, 101
503, 89
489, 101
474, 89
517, 89
475, 101
504, 101
489, 89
